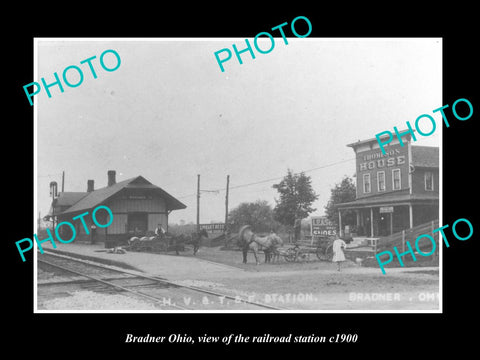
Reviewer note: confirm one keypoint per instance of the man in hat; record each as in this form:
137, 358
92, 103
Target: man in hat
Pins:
160, 231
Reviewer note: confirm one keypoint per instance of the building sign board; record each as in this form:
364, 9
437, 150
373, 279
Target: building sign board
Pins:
386, 209
321, 226
376, 171
213, 227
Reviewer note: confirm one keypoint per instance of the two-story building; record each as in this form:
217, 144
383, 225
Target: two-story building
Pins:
396, 190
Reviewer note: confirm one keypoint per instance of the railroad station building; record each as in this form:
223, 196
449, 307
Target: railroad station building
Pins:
394, 191
137, 205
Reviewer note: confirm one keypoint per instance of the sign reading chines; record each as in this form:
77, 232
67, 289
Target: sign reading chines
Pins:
321, 226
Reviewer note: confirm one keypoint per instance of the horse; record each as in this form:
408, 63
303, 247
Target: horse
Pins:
248, 240
273, 254
195, 239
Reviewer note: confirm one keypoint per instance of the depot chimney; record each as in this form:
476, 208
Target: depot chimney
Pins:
90, 185
111, 177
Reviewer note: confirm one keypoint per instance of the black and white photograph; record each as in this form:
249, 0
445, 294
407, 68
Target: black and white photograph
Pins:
221, 181
262, 187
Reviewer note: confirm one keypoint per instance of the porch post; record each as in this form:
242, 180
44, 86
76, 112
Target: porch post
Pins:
410, 212
391, 223
340, 222
371, 222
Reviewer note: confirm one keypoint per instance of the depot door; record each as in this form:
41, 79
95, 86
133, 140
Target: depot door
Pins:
138, 223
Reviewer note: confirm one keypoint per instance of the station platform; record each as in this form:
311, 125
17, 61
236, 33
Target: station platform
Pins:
168, 266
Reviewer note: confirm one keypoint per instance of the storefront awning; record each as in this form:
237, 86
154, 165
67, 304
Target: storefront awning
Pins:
391, 200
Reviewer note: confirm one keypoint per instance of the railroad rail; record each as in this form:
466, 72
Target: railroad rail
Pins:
154, 280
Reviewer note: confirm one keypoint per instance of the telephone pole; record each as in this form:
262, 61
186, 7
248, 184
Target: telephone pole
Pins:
198, 203
225, 230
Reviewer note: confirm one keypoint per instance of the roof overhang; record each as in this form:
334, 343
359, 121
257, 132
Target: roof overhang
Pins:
389, 200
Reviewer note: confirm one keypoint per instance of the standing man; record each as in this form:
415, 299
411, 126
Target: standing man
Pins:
160, 231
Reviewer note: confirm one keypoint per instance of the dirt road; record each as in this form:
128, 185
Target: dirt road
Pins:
308, 286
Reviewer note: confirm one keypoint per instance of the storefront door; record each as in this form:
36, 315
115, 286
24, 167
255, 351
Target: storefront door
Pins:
385, 224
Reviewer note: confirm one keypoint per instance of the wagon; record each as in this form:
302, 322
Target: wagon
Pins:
303, 249
155, 244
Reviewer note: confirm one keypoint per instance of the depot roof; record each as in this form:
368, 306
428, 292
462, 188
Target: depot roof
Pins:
100, 196
69, 198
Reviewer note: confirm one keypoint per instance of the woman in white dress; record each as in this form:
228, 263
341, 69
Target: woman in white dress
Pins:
338, 255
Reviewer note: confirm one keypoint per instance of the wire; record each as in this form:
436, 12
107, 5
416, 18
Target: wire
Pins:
49, 175
271, 179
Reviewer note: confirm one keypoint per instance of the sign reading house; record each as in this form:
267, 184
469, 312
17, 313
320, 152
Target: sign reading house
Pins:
379, 173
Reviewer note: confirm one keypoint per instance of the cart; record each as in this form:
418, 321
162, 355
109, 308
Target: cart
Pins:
303, 250
155, 244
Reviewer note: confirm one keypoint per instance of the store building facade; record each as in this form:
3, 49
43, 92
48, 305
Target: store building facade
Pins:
394, 191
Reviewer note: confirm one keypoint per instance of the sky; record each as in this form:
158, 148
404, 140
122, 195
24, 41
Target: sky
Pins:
168, 113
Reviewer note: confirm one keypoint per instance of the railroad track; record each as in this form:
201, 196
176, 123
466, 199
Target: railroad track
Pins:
165, 294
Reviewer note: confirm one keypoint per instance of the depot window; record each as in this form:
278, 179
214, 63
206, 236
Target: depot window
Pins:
366, 183
397, 181
428, 181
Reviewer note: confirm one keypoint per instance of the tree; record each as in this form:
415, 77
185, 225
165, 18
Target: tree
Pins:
296, 198
344, 191
258, 214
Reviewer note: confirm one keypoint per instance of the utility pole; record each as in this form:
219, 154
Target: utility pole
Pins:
198, 203
225, 230
63, 180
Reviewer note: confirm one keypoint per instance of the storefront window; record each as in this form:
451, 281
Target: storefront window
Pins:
397, 184
381, 180
429, 181
366, 183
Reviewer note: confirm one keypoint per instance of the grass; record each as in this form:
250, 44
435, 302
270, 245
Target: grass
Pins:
234, 258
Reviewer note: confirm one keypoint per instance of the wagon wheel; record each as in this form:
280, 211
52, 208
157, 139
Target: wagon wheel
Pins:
291, 255
329, 253
325, 254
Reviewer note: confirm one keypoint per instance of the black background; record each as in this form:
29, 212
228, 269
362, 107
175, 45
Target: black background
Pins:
379, 334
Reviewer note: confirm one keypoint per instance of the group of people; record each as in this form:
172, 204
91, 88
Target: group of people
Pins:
247, 240
338, 246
